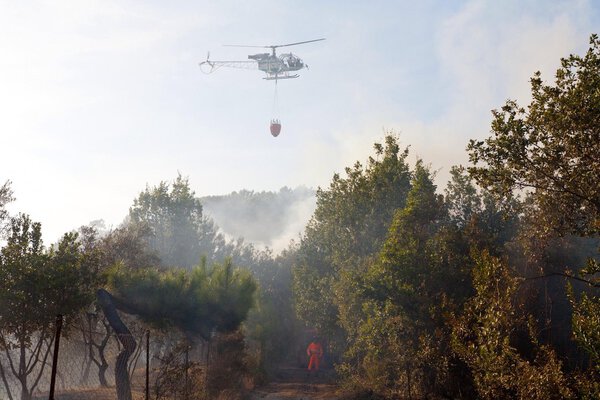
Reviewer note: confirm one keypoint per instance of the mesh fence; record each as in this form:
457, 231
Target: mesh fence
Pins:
162, 366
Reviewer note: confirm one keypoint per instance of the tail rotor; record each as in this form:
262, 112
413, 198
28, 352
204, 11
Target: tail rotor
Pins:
207, 66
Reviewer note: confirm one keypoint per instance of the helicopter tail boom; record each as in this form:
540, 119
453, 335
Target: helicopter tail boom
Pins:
210, 66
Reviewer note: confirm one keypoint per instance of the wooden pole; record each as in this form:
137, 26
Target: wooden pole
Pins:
187, 363
148, 365
59, 321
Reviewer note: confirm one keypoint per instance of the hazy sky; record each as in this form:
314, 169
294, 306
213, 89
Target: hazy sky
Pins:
100, 98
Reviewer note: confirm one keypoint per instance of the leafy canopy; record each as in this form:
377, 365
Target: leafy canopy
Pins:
552, 147
196, 301
179, 233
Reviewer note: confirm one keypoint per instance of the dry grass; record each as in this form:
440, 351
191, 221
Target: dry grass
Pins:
296, 391
90, 394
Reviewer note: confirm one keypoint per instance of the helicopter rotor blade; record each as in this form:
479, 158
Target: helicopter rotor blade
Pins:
274, 46
294, 44
242, 45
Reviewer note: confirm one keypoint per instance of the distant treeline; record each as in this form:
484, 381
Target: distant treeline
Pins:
262, 217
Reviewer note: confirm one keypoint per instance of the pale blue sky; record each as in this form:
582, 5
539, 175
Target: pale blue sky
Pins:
100, 98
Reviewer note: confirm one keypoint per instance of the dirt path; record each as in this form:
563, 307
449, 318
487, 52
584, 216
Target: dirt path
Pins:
297, 384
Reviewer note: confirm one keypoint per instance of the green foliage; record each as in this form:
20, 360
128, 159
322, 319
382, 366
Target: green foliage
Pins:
180, 234
483, 338
552, 147
485, 220
232, 292
35, 286
404, 262
196, 301
384, 356
348, 226
354, 214
38, 284
462, 198
129, 245
24, 262
586, 324
272, 323
401, 348
75, 274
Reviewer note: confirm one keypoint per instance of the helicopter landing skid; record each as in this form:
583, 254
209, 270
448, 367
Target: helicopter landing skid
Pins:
275, 78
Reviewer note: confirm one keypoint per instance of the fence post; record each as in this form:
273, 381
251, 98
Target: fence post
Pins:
148, 365
206, 368
59, 321
187, 364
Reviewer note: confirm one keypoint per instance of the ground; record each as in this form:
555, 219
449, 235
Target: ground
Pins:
298, 384
288, 383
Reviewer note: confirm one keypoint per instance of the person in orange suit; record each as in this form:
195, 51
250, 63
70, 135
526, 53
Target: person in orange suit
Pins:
315, 352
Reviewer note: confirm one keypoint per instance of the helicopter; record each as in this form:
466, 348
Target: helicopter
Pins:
276, 67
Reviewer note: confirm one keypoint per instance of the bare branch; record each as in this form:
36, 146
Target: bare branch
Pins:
565, 275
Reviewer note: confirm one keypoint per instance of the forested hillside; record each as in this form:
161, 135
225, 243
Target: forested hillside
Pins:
269, 219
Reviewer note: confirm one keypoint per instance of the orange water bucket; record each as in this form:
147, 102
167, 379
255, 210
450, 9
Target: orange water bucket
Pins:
275, 127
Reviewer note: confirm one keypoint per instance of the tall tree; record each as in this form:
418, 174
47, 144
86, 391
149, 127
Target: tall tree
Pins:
462, 197
348, 226
402, 348
552, 147
197, 302
484, 337
129, 245
551, 151
180, 234
126, 245
272, 323
36, 285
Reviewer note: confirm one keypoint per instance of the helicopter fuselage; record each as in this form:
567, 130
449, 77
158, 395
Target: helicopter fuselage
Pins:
274, 65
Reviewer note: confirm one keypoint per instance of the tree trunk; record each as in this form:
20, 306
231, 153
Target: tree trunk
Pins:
22, 377
107, 302
87, 361
5, 381
102, 373
24, 392
408, 380
103, 364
